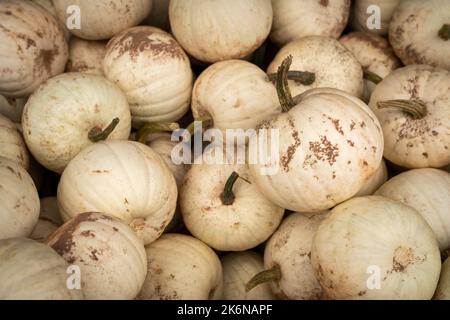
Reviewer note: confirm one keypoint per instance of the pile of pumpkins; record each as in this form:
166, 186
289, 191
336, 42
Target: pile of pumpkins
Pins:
93, 205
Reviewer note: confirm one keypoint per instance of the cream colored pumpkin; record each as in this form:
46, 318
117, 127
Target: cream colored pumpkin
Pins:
181, 267
294, 19
420, 31
421, 139
235, 94
12, 145
102, 19
153, 71
159, 15
32, 46
49, 219
19, 201
238, 269
30, 270
375, 181
332, 64
48, 5
60, 116
364, 15
376, 248
111, 258
443, 289
427, 191
12, 108
86, 56
236, 218
219, 30
122, 178
375, 56
330, 143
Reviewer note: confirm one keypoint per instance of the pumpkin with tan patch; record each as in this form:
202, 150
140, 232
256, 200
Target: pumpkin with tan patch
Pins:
86, 56
12, 145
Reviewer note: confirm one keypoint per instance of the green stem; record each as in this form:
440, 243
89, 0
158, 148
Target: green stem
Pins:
303, 77
283, 90
155, 127
372, 77
272, 274
96, 134
416, 108
227, 196
206, 123
444, 32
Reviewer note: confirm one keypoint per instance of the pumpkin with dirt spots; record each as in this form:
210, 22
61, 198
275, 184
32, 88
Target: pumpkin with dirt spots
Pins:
153, 71
32, 45
420, 32
86, 56
122, 178
199, 278
19, 201
376, 248
12, 145
412, 104
213, 31
110, 256
364, 16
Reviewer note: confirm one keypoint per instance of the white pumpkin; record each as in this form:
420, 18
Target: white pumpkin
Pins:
49, 219
86, 56
101, 19
329, 144
19, 201
30, 270
32, 46
375, 56
420, 31
287, 258
412, 106
159, 15
443, 289
48, 5
226, 212
122, 178
153, 71
376, 248
219, 30
111, 258
181, 267
12, 145
70, 112
374, 181
234, 94
365, 14
12, 108
427, 191
238, 269
331, 63
295, 19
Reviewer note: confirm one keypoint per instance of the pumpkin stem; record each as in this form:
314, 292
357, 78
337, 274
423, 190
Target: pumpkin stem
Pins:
272, 274
206, 123
155, 127
283, 90
303, 77
372, 77
96, 134
444, 32
227, 196
416, 108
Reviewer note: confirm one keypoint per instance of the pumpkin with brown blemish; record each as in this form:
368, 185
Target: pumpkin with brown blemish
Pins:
364, 15
86, 56
375, 181
12, 145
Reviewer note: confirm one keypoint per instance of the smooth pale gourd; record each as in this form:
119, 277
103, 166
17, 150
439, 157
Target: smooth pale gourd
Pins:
365, 14
86, 56
12, 145
49, 219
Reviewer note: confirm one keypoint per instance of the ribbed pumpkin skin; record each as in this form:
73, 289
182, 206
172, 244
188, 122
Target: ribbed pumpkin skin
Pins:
12, 145
33, 271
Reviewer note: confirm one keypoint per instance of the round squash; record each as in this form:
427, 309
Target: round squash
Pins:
12, 108
427, 191
443, 289
376, 248
219, 30
19, 201
238, 269
332, 65
181, 267
122, 178
32, 46
12, 145
111, 258
412, 106
86, 56
70, 112
48, 5
374, 181
30, 270
153, 71
49, 219
420, 31
359, 15
295, 19
102, 19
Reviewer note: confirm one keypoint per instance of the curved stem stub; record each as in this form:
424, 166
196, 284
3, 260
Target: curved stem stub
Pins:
372, 76
303, 77
227, 196
282, 85
444, 32
415, 108
96, 134
272, 274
